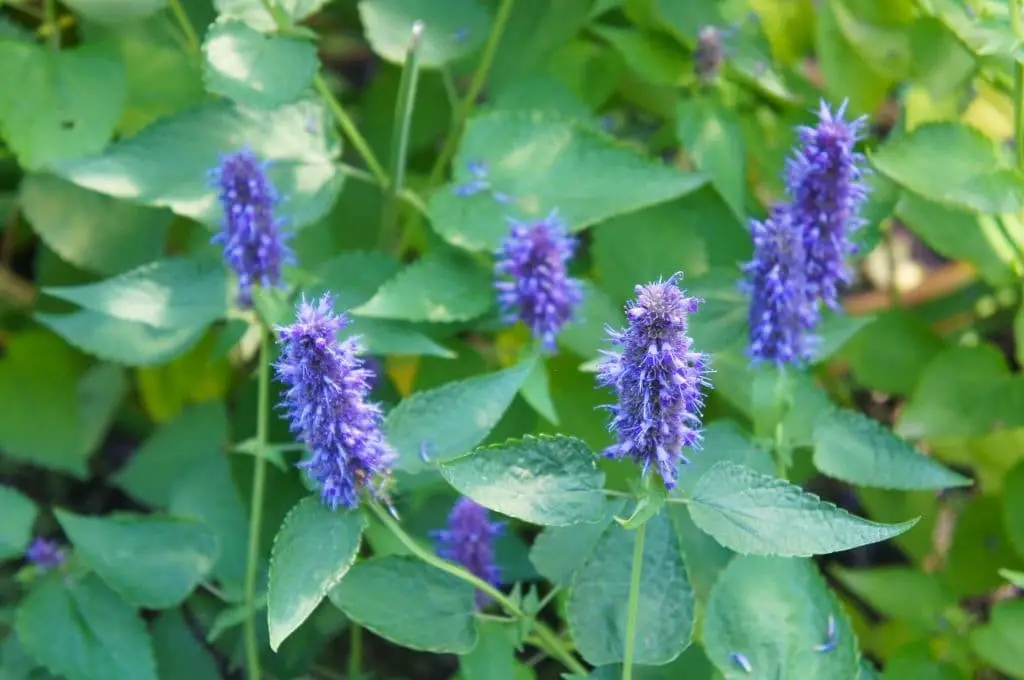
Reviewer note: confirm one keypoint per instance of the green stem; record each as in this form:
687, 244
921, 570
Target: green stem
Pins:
1018, 87
50, 18
348, 126
259, 478
185, 24
400, 135
476, 85
552, 644
632, 605
355, 650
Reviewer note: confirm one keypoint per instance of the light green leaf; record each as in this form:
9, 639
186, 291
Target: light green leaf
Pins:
558, 552
312, 552
451, 29
542, 92
450, 420
90, 230
178, 653
774, 612
892, 352
441, 287
712, 137
115, 11
752, 513
976, 182
914, 662
599, 595
901, 593
587, 334
19, 515
858, 449
846, 74
885, 49
723, 440
536, 392
410, 603
539, 160
255, 69
254, 12
545, 480
494, 657
82, 630
1013, 507
653, 57
167, 163
1014, 577
154, 562
58, 104
999, 642
721, 321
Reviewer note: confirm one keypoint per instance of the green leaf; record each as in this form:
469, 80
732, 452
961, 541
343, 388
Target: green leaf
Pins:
312, 552
653, 57
721, 321
410, 603
62, 104
254, 12
494, 657
599, 596
723, 440
178, 653
712, 137
451, 29
891, 353
1014, 577
979, 537
450, 420
115, 11
915, 662
587, 334
885, 49
1000, 642
558, 552
976, 182
845, 73
19, 515
165, 294
858, 449
254, 69
82, 630
1013, 507
152, 561
752, 513
167, 163
901, 593
834, 331
705, 558
774, 612
442, 287
536, 392
545, 480
90, 230
199, 432
539, 160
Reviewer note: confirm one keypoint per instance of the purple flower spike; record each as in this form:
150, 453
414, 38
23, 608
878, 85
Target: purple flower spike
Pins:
255, 246
469, 541
659, 380
45, 554
533, 283
824, 180
327, 404
783, 315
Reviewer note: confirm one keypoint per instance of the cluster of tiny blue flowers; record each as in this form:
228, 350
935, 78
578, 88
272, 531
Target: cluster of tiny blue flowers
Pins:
469, 541
45, 553
480, 182
326, 401
659, 380
533, 282
254, 243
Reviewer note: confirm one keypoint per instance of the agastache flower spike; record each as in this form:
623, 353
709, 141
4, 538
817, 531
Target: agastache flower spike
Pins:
659, 380
469, 541
45, 553
326, 401
782, 315
255, 246
533, 283
824, 181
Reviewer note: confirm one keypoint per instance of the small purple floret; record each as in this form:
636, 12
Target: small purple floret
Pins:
659, 380
45, 553
326, 401
255, 246
469, 540
533, 283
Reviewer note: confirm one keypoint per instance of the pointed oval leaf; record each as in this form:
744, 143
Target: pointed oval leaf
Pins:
544, 480
558, 552
752, 513
19, 515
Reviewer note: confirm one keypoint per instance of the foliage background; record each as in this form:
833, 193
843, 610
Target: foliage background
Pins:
127, 382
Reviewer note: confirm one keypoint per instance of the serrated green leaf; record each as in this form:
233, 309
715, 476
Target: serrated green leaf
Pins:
167, 163
178, 653
599, 595
19, 515
1000, 642
552, 481
539, 161
775, 611
255, 69
152, 561
901, 593
712, 137
115, 11
858, 449
62, 104
723, 440
82, 630
451, 29
410, 603
542, 92
254, 12
752, 513
450, 420
558, 552
312, 552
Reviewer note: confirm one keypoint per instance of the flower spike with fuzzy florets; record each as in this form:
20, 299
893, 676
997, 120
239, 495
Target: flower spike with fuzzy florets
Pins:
255, 246
533, 282
327, 404
45, 553
824, 178
659, 380
783, 314
469, 541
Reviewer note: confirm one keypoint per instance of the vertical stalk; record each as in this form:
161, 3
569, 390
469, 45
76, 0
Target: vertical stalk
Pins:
1018, 87
185, 24
633, 603
355, 650
352, 133
259, 477
400, 135
50, 19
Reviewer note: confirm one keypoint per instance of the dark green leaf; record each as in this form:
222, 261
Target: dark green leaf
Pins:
178, 653
19, 515
1013, 507
901, 593
1000, 642
558, 552
115, 11
494, 657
